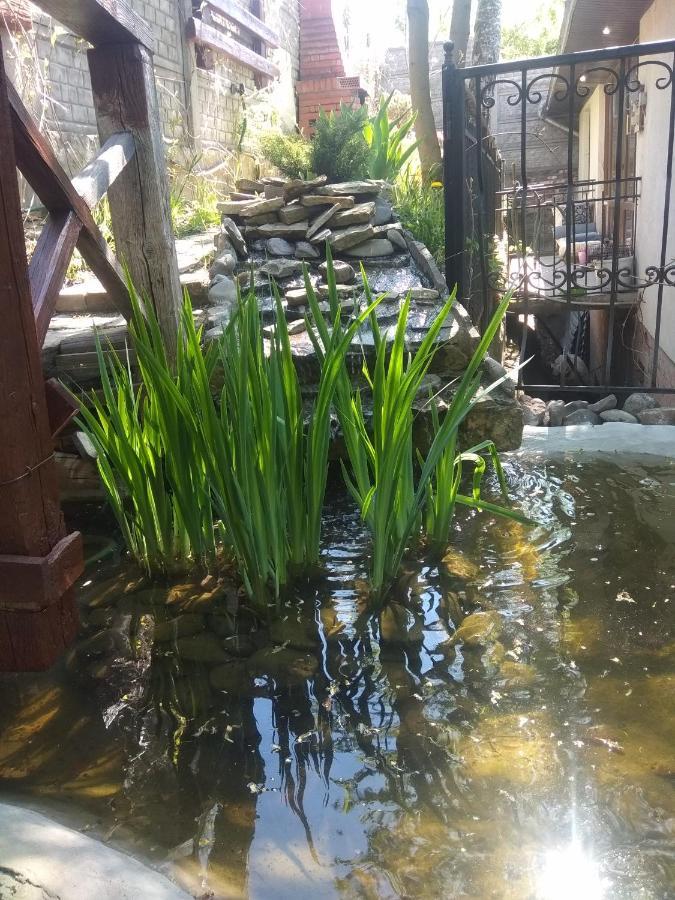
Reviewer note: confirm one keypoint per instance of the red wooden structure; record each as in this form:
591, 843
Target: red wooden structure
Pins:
39, 560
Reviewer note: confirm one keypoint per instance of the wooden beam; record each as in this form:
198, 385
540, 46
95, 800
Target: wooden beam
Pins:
41, 169
125, 99
93, 182
49, 264
31, 524
210, 37
233, 10
100, 21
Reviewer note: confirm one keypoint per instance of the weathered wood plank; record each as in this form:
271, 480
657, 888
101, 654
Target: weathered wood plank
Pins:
100, 21
49, 264
233, 10
61, 407
205, 34
125, 99
31, 523
93, 182
41, 169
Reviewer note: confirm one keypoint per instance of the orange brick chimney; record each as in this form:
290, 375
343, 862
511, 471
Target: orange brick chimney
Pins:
322, 83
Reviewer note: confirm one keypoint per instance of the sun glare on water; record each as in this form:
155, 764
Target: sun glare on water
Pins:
569, 872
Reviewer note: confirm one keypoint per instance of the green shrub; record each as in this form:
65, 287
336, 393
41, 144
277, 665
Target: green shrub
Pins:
388, 153
420, 207
339, 148
289, 153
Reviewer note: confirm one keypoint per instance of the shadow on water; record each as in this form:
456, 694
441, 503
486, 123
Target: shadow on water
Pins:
505, 727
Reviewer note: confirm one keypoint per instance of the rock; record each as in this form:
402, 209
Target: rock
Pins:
573, 369
297, 187
296, 231
182, 626
661, 416
638, 403
320, 221
321, 237
496, 371
240, 645
582, 417
230, 677
230, 229
287, 667
350, 237
479, 629
289, 215
344, 273
427, 264
555, 412
224, 264
223, 624
251, 225
397, 239
247, 186
279, 247
574, 405
205, 647
238, 195
350, 187
372, 248
317, 200
424, 295
261, 207
296, 297
342, 290
513, 674
361, 214
272, 191
304, 250
618, 415
301, 635
281, 268
603, 405
533, 410
383, 211
296, 327
222, 291
234, 207
399, 625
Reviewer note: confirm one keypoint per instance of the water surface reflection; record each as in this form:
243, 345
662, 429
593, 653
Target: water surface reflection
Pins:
527, 751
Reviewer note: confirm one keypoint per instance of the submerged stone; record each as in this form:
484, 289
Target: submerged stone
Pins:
182, 626
399, 625
479, 629
205, 648
284, 666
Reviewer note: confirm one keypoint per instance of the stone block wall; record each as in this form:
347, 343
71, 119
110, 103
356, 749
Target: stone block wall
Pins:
200, 113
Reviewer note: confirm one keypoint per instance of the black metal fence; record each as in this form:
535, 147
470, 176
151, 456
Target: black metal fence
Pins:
585, 256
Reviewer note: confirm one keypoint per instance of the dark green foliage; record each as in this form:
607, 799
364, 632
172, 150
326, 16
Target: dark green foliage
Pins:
339, 147
290, 153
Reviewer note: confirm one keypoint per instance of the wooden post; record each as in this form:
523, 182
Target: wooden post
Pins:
125, 99
38, 561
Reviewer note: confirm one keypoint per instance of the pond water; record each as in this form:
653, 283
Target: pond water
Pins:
335, 754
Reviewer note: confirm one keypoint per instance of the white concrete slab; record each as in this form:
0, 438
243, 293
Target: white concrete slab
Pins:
610, 439
39, 859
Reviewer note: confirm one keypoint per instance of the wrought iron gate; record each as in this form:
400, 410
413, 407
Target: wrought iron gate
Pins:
589, 253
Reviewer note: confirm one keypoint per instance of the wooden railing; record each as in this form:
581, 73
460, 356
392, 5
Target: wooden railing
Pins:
39, 560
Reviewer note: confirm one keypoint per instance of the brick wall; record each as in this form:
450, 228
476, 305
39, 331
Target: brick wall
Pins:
49, 67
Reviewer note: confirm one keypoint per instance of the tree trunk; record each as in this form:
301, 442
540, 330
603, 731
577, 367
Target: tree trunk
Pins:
487, 32
460, 29
420, 91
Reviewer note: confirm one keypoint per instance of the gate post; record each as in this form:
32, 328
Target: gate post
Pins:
453, 173
39, 562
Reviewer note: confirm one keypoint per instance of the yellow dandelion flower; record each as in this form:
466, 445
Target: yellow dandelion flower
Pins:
437, 184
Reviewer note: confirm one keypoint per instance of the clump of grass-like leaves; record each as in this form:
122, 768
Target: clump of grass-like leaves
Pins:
149, 456
398, 499
174, 458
